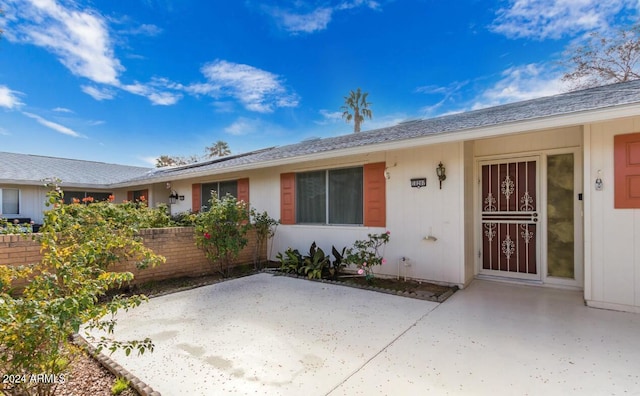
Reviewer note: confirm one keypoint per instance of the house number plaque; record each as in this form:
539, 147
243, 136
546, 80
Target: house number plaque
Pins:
420, 182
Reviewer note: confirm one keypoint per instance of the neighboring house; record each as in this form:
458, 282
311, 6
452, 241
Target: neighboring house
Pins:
23, 178
543, 192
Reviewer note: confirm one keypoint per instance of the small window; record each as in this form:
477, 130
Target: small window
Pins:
10, 199
221, 189
139, 195
330, 197
81, 196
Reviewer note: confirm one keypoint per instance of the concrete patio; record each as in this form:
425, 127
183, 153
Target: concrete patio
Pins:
274, 335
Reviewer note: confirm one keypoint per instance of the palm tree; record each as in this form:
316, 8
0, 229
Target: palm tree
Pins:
356, 102
219, 149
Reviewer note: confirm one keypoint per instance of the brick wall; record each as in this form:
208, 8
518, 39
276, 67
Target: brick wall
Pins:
176, 244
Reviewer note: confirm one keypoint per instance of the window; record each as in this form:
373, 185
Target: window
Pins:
340, 196
201, 193
10, 201
330, 197
138, 194
221, 189
80, 195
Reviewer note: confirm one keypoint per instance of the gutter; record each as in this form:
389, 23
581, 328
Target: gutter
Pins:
509, 128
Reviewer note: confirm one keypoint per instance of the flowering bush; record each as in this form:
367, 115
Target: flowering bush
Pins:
221, 231
265, 228
365, 255
79, 244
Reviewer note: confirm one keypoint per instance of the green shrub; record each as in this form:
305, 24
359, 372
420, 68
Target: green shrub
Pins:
265, 228
79, 244
221, 231
365, 254
290, 261
119, 385
314, 263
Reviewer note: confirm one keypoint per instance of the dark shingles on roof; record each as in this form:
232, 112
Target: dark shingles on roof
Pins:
35, 169
85, 172
558, 105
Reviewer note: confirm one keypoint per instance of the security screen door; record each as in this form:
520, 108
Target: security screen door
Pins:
510, 219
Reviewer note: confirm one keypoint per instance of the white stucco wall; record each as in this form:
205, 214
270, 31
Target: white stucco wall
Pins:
612, 251
32, 200
412, 213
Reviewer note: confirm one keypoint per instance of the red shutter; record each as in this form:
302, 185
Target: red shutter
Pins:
130, 196
375, 203
243, 190
626, 150
196, 200
288, 198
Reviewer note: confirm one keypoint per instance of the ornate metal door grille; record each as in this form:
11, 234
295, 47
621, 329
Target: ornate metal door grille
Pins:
509, 217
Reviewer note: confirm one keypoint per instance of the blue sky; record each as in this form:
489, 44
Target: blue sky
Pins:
127, 81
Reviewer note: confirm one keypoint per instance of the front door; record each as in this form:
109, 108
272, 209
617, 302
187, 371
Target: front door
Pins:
510, 218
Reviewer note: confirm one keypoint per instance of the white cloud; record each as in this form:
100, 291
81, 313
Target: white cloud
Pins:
157, 96
449, 94
63, 110
329, 117
79, 38
144, 30
164, 98
258, 90
148, 160
522, 83
541, 19
55, 126
4, 132
315, 20
311, 19
9, 98
346, 5
98, 93
243, 126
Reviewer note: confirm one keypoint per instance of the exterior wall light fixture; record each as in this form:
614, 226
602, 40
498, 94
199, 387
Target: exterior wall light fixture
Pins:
440, 171
173, 197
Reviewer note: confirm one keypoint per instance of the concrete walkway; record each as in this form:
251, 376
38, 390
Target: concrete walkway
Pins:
271, 335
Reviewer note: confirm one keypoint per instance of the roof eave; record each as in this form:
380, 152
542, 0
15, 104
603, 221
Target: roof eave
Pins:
537, 124
64, 185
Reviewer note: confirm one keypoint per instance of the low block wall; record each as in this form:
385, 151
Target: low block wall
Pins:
176, 244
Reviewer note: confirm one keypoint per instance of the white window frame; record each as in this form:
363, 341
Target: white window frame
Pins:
19, 201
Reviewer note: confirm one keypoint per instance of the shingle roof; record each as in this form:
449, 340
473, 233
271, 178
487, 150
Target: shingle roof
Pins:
32, 169
85, 172
564, 104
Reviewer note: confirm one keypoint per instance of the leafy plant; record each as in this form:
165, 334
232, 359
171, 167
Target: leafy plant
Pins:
314, 263
8, 226
79, 244
338, 264
184, 219
365, 254
265, 228
290, 261
221, 231
119, 385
